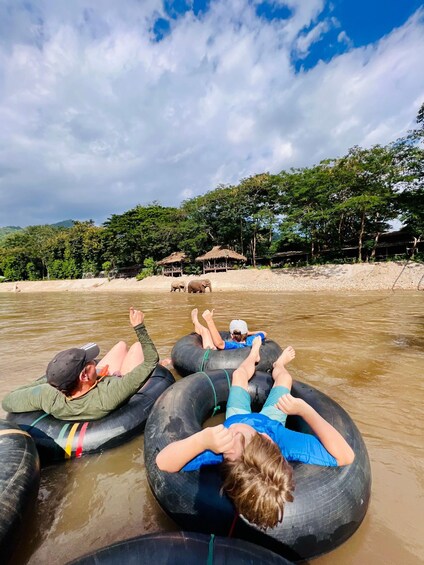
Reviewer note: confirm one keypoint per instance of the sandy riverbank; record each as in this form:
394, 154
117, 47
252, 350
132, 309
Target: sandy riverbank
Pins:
377, 276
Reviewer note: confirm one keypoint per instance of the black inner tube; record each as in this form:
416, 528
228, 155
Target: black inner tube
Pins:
184, 548
188, 355
58, 440
19, 483
330, 502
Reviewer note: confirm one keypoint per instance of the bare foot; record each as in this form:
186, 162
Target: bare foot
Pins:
194, 316
256, 345
288, 355
198, 328
166, 362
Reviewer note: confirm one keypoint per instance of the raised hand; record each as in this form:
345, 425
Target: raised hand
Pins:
291, 406
136, 317
208, 315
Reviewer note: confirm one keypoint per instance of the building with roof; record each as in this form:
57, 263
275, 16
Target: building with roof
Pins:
220, 258
172, 266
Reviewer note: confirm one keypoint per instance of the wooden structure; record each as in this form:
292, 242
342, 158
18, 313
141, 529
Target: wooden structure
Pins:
220, 259
172, 266
288, 257
127, 272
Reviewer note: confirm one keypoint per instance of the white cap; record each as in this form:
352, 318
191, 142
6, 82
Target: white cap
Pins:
238, 326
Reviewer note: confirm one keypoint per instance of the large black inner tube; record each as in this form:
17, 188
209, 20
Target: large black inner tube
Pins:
181, 548
19, 482
330, 502
188, 355
57, 440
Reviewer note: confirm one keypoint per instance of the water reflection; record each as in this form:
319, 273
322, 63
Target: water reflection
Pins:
364, 350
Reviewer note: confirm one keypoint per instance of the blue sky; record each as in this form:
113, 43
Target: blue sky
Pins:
107, 105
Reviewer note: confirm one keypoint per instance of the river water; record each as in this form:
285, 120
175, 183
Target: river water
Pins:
365, 350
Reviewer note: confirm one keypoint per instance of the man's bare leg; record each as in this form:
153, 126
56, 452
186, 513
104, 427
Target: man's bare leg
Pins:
114, 358
205, 334
133, 358
246, 370
279, 372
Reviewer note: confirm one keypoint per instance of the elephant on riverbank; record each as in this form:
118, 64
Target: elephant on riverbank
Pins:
199, 286
178, 285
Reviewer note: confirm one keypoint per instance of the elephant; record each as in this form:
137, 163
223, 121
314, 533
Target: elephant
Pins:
178, 285
199, 286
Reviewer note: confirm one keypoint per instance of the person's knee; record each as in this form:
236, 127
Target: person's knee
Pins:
240, 377
133, 358
135, 348
121, 346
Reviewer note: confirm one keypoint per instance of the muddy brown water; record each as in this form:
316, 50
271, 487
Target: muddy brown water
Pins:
366, 350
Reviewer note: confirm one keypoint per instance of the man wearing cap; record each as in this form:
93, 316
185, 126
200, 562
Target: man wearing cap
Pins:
75, 388
211, 338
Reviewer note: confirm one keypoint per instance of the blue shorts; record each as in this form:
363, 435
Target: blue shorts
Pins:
239, 403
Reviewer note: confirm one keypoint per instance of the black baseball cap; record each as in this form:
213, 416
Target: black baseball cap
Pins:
64, 368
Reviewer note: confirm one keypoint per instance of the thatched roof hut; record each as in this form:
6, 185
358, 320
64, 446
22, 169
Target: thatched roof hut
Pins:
220, 259
173, 264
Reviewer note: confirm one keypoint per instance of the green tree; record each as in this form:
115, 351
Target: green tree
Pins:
41, 240
241, 217
306, 197
82, 248
12, 267
144, 231
409, 155
368, 200
15, 253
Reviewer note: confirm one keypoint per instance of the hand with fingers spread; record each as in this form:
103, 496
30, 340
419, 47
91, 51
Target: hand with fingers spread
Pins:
218, 439
291, 406
136, 317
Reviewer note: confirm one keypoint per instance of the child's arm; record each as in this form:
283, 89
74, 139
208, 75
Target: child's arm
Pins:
174, 456
330, 438
257, 332
216, 336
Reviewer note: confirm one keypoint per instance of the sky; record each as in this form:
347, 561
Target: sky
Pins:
105, 105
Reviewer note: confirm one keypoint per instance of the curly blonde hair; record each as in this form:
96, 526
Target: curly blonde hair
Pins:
259, 483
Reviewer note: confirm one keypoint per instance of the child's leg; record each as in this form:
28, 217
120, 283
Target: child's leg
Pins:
282, 385
239, 397
133, 358
245, 371
114, 358
205, 334
213, 330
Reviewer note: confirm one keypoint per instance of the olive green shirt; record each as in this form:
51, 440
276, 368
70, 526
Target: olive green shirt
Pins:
109, 393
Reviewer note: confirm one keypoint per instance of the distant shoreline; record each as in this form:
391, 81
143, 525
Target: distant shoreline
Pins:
358, 277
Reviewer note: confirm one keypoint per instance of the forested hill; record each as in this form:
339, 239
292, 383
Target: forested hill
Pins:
63, 224
8, 230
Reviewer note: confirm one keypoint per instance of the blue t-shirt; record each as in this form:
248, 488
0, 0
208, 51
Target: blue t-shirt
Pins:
248, 343
294, 446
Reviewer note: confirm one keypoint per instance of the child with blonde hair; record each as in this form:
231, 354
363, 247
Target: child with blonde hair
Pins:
255, 449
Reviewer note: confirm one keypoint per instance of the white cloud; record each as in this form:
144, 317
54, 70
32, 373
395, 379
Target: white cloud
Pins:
96, 117
306, 40
344, 38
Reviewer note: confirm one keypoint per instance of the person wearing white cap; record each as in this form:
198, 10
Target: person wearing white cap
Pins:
212, 339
